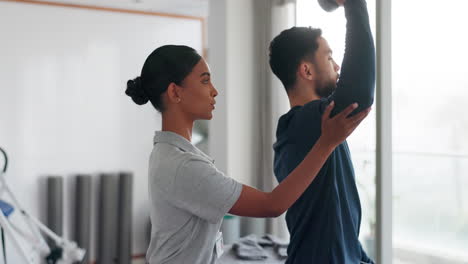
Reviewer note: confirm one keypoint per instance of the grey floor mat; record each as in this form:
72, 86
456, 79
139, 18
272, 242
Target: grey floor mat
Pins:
230, 258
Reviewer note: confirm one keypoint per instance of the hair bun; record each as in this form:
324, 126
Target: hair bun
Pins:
136, 92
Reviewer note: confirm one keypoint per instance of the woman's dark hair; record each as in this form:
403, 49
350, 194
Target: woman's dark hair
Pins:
289, 48
165, 65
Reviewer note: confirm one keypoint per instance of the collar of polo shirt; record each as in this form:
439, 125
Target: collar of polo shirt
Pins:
178, 141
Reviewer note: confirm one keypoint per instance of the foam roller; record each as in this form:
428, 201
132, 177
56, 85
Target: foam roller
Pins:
108, 219
82, 233
125, 218
55, 206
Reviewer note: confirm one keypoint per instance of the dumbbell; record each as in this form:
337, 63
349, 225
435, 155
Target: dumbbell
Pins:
328, 5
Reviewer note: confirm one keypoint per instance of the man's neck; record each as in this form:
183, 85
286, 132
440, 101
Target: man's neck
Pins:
301, 95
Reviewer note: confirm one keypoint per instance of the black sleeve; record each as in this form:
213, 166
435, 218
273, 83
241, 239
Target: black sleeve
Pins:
357, 80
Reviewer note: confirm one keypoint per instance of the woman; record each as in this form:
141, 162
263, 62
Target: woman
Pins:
188, 195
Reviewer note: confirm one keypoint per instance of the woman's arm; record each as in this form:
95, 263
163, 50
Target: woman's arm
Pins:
255, 203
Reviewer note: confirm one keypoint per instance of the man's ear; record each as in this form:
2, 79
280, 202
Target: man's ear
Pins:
307, 71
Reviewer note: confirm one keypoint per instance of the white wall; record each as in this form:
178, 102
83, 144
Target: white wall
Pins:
242, 130
240, 90
216, 57
62, 105
234, 138
231, 58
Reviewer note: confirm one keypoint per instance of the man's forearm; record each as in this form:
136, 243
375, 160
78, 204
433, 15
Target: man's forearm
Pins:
357, 81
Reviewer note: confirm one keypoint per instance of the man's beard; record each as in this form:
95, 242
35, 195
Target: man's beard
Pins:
326, 90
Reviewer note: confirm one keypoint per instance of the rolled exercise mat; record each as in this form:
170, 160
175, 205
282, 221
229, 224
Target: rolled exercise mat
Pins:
108, 218
82, 233
55, 206
125, 218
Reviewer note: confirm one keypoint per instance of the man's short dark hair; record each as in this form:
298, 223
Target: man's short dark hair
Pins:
289, 48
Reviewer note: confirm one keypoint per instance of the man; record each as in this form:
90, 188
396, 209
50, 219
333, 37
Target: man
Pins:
324, 223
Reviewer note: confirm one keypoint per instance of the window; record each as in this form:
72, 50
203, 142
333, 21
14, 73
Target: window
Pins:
430, 130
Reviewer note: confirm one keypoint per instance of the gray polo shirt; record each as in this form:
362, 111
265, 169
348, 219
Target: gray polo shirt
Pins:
188, 198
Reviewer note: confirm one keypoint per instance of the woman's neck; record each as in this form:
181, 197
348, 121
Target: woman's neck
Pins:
177, 123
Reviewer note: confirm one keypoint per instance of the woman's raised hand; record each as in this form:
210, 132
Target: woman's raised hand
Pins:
336, 129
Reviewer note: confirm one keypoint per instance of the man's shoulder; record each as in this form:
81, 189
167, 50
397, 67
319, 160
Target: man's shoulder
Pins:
317, 106
301, 124
312, 111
